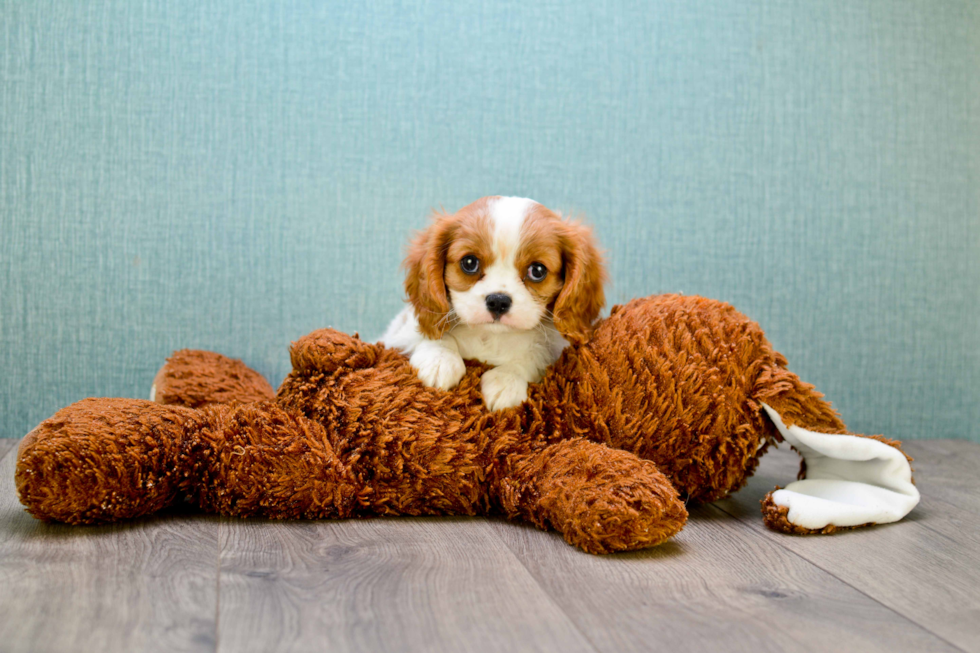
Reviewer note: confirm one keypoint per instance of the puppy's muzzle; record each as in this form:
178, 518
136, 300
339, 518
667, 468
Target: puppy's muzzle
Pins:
498, 304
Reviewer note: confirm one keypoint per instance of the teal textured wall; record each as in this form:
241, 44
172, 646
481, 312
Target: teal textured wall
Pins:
231, 175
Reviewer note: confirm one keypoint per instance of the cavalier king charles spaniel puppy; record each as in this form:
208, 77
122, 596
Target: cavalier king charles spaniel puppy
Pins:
504, 281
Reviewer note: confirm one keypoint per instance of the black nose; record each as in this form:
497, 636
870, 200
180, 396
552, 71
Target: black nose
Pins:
498, 304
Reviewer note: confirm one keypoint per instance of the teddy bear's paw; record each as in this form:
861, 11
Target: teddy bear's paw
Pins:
625, 516
437, 366
850, 481
502, 389
600, 499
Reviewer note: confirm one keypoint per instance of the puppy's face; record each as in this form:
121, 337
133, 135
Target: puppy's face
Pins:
507, 263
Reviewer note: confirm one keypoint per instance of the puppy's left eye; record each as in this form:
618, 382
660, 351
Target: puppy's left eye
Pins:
469, 264
536, 272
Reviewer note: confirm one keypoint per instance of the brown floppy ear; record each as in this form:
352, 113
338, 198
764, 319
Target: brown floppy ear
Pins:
581, 297
425, 283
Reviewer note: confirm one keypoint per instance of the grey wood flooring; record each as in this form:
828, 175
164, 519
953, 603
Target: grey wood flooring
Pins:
188, 582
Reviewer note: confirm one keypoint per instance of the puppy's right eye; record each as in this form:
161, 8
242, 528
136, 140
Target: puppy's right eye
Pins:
469, 264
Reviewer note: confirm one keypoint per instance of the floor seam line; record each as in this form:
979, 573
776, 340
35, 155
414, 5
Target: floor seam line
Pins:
833, 575
510, 551
217, 583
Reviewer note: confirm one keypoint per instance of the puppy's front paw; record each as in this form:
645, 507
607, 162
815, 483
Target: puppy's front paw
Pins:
502, 389
438, 367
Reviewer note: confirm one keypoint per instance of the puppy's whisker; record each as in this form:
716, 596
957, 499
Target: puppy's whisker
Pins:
449, 318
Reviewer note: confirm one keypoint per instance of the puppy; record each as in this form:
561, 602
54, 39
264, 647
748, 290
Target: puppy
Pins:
504, 281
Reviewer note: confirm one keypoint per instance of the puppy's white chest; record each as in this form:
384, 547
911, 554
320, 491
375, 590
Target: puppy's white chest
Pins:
493, 348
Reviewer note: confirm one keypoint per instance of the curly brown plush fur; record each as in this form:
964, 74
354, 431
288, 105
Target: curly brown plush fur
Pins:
663, 404
195, 378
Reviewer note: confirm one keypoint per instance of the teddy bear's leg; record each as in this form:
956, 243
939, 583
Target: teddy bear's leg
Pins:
195, 378
846, 481
600, 499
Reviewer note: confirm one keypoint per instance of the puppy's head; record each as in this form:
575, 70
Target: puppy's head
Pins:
508, 263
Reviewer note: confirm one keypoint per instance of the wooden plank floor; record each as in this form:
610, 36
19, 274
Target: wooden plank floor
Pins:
190, 582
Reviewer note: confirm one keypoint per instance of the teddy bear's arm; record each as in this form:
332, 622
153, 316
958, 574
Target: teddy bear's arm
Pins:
101, 460
600, 499
195, 378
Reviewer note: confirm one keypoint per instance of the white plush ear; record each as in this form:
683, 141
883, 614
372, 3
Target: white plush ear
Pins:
849, 481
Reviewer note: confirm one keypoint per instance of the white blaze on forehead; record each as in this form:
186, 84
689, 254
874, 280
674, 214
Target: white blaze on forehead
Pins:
508, 215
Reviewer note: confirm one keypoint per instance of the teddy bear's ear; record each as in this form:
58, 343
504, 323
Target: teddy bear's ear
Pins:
425, 283
581, 297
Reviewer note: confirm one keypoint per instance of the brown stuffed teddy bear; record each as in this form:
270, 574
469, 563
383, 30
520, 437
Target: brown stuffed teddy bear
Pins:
674, 398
